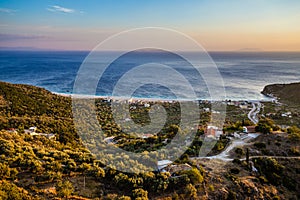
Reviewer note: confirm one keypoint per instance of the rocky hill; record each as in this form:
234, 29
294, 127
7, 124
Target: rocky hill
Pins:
285, 93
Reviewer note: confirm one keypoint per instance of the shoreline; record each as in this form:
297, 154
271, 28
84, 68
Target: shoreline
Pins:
153, 99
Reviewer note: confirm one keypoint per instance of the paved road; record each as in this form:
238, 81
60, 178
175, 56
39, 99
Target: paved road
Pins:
252, 115
276, 157
224, 155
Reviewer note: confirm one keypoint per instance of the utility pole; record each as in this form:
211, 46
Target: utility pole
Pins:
84, 182
247, 157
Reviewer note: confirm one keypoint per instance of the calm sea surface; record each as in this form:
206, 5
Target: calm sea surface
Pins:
244, 74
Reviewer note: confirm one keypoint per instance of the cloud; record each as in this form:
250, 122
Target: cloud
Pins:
57, 8
7, 10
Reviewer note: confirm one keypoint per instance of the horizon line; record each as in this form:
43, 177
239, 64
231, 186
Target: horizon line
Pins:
191, 51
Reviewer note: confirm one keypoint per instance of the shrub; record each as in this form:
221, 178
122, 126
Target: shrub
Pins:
64, 189
263, 179
190, 192
140, 194
239, 151
260, 145
194, 175
271, 169
11, 191
211, 188
234, 170
124, 198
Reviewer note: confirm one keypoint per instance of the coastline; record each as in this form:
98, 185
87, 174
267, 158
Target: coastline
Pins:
83, 96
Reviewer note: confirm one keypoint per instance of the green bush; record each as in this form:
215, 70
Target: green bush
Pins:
9, 191
271, 169
194, 175
140, 194
190, 192
64, 189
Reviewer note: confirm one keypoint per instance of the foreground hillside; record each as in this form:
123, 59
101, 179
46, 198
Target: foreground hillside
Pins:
23, 106
286, 93
35, 167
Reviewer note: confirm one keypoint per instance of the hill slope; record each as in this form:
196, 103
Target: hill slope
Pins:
23, 106
34, 167
286, 93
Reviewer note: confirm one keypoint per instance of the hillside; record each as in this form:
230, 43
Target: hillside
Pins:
23, 106
35, 167
285, 93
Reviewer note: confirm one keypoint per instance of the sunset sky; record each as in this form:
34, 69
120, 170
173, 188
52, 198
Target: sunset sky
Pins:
218, 25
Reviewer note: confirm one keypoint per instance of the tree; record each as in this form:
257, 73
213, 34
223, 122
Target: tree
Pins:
190, 192
4, 170
194, 175
140, 194
10, 191
294, 133
265, 126
64, 189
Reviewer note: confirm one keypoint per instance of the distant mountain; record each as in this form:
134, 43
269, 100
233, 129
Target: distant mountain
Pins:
24, 49
285, 93
250, 50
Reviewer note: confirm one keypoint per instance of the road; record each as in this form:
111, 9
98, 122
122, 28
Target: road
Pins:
276, 157
224, 155
252, 115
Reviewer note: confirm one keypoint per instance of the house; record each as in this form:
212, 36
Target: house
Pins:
287, 114
12, 130
249, 129
243, 106
109, 140
147, 105
49, 136
177, 168
166, 166
32, 129
147, 135
161, 164
206, 109
213, 131
230, 103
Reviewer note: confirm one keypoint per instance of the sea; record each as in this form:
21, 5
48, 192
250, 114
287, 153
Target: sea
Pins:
243, 75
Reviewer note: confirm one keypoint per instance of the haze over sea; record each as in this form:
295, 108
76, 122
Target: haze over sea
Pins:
244, 73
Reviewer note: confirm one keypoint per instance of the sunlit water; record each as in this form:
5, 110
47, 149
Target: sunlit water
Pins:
244, 74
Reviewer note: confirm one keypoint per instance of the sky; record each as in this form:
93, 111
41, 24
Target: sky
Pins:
218, 25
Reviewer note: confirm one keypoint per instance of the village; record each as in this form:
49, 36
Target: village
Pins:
237, 138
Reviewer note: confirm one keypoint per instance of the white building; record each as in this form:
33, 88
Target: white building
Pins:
161, 164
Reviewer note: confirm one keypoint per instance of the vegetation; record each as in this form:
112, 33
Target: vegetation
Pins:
35, 167
286, 93
265, 126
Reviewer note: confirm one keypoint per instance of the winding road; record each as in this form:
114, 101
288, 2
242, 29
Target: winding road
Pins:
245, 139
252, 115
224, 155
